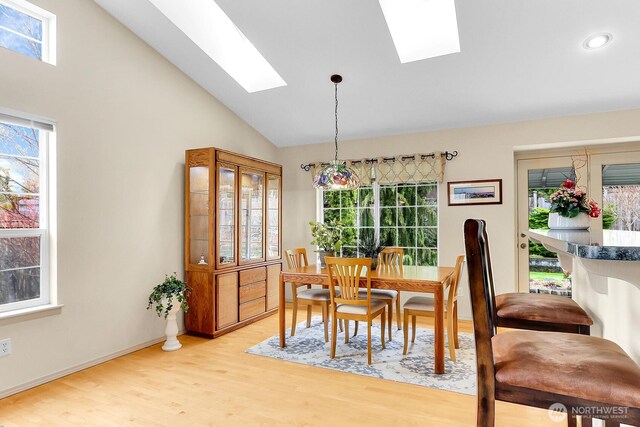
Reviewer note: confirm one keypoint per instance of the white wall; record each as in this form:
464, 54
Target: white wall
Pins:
485, 152
125, 116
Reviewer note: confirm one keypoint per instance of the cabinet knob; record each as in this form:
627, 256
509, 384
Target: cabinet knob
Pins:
523, 245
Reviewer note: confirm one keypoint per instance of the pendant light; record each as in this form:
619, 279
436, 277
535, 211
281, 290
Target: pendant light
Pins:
336, 175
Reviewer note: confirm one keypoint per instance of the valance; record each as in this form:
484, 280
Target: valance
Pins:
421, 167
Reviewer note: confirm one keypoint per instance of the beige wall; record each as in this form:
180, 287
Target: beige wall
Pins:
485, 152
125, 116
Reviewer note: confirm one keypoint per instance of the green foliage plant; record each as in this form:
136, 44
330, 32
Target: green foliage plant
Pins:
327, 237
368, 246
163, 295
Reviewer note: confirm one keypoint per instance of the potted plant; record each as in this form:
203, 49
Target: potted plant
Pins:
369, 247
168, 298
571, 208
327, 237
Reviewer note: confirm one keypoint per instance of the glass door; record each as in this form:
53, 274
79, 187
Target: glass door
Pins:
199, 215
273, 217
226, 218
251, 209
615, 183
539, 270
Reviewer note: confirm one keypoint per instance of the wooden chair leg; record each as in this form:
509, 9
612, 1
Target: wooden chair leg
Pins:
405, 322
413, 328
455, 324
346, 331
572, 420
294, 317
398, 322
325, 315
451, 337
382, 322
390, 305
334, 335
586, 422
486, 411
355, 329
611, 423
309, 312
369, 342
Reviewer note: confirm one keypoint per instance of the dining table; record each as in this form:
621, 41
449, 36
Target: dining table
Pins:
423, 279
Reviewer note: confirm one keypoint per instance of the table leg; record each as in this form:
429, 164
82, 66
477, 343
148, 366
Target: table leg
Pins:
439, 331
281, 313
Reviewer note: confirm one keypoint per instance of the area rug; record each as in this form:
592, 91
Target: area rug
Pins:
308, 347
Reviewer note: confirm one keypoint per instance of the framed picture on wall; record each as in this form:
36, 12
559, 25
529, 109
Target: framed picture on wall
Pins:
478, 192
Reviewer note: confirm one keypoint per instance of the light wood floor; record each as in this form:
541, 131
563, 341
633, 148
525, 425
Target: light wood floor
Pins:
215, 383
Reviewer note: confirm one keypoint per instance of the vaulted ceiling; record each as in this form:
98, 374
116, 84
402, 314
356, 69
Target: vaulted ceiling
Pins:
519, 60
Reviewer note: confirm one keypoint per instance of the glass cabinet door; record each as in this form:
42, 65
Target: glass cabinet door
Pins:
226, 215
273, 216
199, 215
251, 225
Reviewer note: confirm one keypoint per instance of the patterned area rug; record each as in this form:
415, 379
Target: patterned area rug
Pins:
308, 347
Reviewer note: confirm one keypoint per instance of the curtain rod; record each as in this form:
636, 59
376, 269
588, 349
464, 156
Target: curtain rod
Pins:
448, 155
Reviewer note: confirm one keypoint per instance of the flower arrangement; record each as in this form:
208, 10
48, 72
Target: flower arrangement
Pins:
569, 201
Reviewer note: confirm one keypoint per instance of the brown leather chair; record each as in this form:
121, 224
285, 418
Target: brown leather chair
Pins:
539, 368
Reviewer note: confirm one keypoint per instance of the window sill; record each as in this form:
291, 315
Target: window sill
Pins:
30, 313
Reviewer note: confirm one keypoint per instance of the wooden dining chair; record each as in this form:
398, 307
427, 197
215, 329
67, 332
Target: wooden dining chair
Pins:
425, 306
307, 297
541, 368
389, 258
349, 304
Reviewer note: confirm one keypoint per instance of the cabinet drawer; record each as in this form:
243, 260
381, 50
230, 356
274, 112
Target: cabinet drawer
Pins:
252, 291
253, 275
252, 308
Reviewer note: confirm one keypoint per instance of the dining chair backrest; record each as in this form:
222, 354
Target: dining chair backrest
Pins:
297, 257
347, 273
455, 280
482, 299
391, 257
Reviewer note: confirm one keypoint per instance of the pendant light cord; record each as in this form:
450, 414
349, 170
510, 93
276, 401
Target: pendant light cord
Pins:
336, 141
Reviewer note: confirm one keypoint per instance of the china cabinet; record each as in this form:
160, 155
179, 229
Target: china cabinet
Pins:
233, 244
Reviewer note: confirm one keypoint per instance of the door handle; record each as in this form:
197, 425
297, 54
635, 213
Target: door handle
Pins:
523, 245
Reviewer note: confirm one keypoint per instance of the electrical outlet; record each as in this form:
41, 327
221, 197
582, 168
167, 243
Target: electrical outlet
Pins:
5, 347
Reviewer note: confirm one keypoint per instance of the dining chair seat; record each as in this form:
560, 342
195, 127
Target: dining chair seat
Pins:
359, 309
421, 303
540, 308
315, 294
586, 367
380, 293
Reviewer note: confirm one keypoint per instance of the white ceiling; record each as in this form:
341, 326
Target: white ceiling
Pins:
519, 60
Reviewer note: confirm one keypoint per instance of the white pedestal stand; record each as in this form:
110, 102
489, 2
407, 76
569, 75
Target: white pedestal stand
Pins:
172, 343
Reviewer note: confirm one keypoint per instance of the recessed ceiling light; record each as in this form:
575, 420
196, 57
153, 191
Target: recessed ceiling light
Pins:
422, 29
215, 33
597, 40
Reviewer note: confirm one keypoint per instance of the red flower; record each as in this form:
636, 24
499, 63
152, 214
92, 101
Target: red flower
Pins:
595, 210
569, 184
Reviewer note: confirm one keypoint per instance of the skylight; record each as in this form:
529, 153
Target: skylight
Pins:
213, 31
422, 29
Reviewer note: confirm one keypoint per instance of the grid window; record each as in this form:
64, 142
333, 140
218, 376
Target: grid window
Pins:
401, 215
23, 220
27, 29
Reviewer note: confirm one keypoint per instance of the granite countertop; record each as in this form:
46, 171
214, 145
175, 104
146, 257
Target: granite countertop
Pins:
610, 245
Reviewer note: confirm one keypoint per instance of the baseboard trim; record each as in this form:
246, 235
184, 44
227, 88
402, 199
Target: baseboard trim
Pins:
77, 368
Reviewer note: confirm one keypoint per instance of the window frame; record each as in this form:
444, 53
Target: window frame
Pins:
48, 19
44, 229
376, 187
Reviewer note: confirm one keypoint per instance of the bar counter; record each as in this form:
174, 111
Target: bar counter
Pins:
605, 268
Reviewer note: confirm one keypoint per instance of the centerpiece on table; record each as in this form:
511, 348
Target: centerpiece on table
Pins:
368, 247
327, 237
571, 208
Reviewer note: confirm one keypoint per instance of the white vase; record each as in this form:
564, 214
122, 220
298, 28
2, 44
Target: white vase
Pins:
172, 343
559, 222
